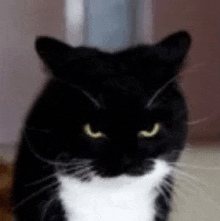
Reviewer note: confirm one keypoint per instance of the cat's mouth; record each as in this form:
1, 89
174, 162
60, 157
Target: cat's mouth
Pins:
125, 166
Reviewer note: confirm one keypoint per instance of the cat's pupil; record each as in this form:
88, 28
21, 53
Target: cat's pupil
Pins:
143, 133
150, 133
93, 134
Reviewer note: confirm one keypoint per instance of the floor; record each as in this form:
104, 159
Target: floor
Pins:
197, 191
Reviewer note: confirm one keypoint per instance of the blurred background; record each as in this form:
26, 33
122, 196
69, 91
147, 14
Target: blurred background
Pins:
112, 25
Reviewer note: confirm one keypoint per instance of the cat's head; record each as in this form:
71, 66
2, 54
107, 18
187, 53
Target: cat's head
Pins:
119, 111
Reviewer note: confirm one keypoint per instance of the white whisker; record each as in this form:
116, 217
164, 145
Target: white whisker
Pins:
203, 119
184, 176
91, 98
195, 167
188, 175
50, 162
199, 181
179, 182
155, 95
34, 194
82, 171
40, 180
46, 208
207, 196
83, 167
195, 67
161, 191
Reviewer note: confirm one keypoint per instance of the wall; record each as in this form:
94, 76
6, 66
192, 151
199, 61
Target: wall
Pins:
201, 77
20, 73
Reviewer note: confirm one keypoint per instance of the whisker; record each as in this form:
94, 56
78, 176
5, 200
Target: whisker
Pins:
188, 175
46, 208
44, 179
77, 167
180, 114
179, 192
51, 162
81, 169
78, 173
80, 161
161, 191
193, 178
180, 176
194, 167
44, 130
179, 182
34, 195
84, 166
195, 67
168, 184
41, 158
207, 196
88, 175
40, 180
201, 120
87, 94
156, 94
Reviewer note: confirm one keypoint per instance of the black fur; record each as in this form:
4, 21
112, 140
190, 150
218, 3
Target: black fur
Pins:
122, 84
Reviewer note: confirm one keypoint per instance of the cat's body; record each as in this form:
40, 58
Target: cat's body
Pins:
100, 141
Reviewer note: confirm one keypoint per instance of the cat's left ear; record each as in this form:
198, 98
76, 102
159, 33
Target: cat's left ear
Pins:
56, 54
52, 51
173, 48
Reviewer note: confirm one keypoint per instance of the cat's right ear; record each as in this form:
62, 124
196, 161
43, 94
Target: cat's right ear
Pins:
53, 53
173, 48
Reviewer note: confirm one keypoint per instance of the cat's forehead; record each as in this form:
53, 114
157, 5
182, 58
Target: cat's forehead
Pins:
124, 84
129, 92
122, 92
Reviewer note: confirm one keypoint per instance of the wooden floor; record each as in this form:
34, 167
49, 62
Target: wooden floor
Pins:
6, 171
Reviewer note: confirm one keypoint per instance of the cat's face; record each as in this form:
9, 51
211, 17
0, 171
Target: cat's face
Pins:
119, 112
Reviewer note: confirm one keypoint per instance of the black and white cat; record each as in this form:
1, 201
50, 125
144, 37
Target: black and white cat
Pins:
100, 141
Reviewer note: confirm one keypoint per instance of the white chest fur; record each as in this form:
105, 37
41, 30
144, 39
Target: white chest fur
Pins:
119, 199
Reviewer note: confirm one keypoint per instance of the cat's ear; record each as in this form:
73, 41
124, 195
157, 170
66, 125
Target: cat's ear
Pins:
54, 53
173, 48
60, 58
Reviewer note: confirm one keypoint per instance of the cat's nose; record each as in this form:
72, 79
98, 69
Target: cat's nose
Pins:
127, 161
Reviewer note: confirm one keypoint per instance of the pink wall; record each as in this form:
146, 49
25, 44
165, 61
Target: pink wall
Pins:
201, 79
20, 72
21, 76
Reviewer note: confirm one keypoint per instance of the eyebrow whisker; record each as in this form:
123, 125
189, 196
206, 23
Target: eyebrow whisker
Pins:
155, 95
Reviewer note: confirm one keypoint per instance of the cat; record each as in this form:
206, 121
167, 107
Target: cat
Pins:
100, 141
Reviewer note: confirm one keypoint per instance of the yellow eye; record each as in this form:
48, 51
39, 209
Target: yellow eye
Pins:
88, 130
152, 133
